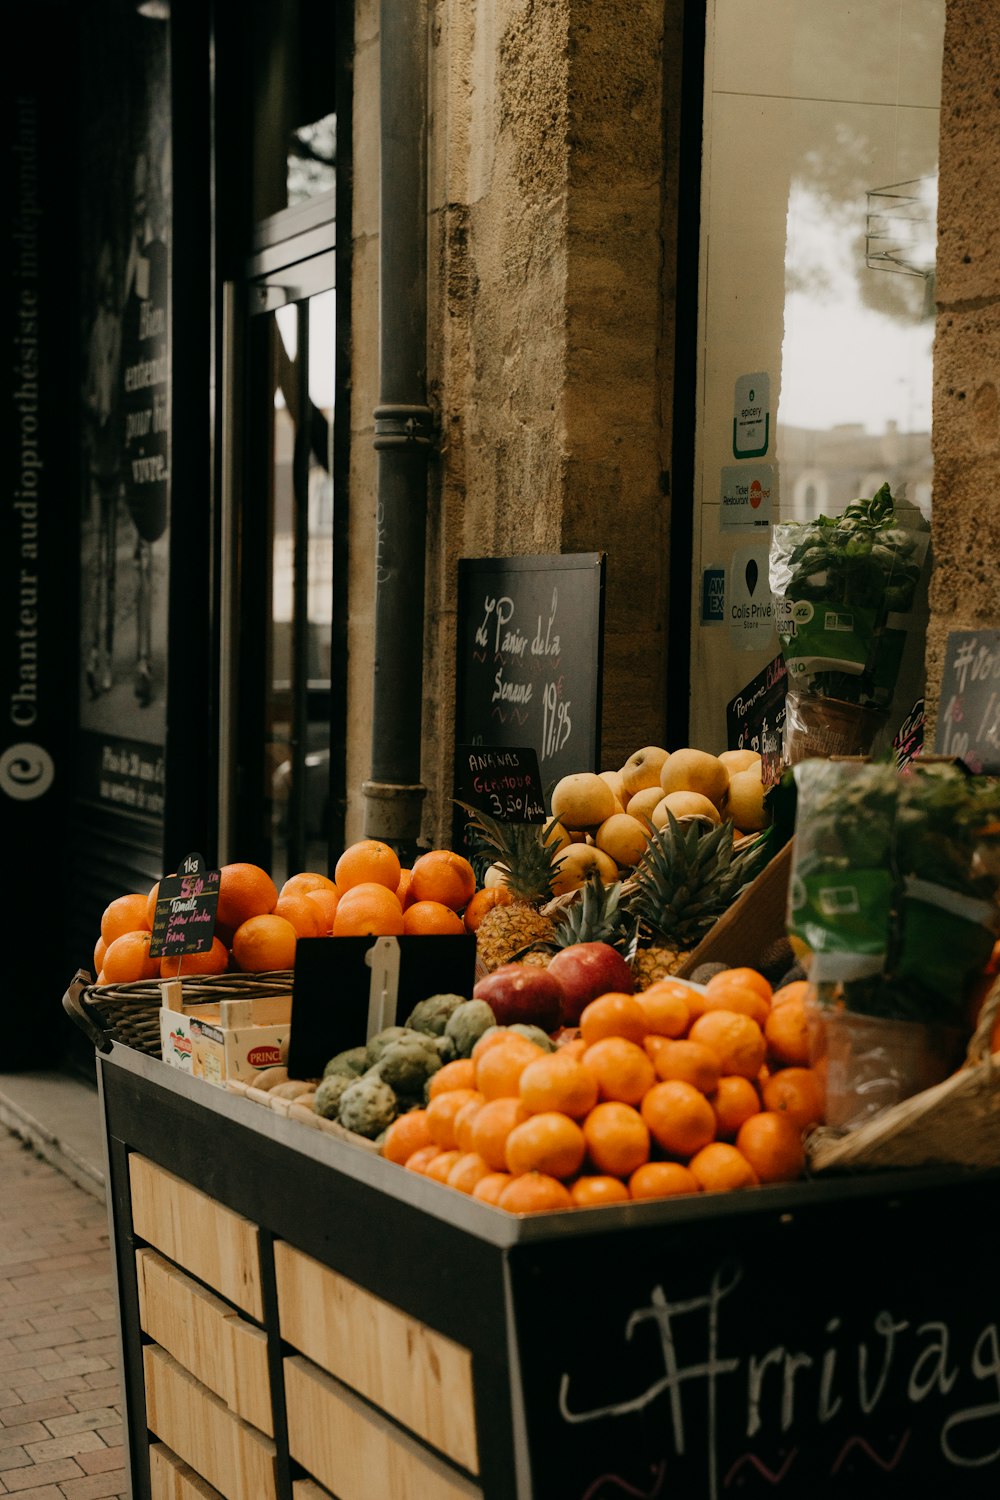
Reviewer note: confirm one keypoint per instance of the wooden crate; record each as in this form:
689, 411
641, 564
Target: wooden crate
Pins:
355, 1452
207, 1337
403, 1367
218, 1246
226, 1451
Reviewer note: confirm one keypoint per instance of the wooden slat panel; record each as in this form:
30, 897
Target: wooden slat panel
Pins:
233, 1456
308, 1489
356, 1453
416, 1375
207, 1336
170, 1478
219, 1247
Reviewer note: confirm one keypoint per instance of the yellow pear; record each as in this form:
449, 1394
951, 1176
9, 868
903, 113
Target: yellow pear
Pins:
642, 769
582, 800
690, 770
574, 865
614, 780
641, 804
623, 837
739, 760
746, 801
684, 805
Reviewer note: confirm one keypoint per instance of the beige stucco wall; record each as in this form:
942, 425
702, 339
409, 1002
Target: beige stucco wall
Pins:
965, 588
550, 259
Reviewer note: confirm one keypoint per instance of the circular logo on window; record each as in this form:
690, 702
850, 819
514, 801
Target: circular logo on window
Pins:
26, 771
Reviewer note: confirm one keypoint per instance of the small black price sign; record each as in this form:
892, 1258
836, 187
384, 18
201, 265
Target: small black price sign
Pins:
968, 720
504, 782
185, 910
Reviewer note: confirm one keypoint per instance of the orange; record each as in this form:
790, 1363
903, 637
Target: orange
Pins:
305, 882
264, 943
797, 1093
745, 978
719, 1167
534, 1193
494, 1037
679, 1117
215, 961
151, 905
484, 901
124, 914
741, 998
467, 1171
662, 1179
403, 888
555, 1081
431, 917
326, 903
440, 1115
735, 1099
304, 915
244, 891
653, 1045
127, 959
100, 948
593, 1192
489, 1188
549, 1142
464, 1119
772, 1145
667, 1007
101, 979
692, 1061
442, 875
460, 1074
613, 1014
498, 1070
787, 1033
736, 1040
796, 989
617, 1138
406, 1134
621, 1068
367, 862
490, 1128
440, 1166
422, 1157
368, 910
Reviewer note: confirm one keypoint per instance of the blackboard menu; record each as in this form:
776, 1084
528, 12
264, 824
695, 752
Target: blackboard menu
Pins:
968, 721
530, 649
504, 783
186, 904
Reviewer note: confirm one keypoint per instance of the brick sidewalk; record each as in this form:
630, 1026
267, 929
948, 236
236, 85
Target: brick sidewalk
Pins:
60, 1399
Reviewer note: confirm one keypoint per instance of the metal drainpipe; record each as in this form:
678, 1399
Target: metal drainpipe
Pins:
403, 434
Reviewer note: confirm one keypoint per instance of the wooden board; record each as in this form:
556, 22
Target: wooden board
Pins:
356, 1453
219, 1247
170, 1478
233, 1456
416, 1375
206, 1336
308, 1489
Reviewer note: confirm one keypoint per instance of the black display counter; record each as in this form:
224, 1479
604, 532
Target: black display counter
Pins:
301, 1318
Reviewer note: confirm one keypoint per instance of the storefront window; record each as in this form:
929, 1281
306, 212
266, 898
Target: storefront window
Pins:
294, 123
817, 304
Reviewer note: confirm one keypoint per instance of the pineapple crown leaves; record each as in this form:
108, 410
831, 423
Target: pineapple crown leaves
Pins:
527, 852
688, 877
597, 916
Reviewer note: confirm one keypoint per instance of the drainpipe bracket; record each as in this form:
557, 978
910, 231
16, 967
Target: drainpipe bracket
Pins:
399, 426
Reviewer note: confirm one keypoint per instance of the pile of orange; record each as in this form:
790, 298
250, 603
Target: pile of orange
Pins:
671, 1091
257, 926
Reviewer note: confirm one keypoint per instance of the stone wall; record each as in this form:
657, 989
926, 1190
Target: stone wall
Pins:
965, 587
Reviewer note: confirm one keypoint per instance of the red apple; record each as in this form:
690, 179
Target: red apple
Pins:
586, 970
521, 992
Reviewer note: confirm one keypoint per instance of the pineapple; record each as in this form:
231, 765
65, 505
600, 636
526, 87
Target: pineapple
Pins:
528, 855
682, 885
596, 916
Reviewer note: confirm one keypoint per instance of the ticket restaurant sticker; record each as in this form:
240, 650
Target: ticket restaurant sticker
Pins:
745, 495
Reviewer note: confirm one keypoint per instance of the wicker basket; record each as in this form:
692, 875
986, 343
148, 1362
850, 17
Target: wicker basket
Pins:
130, 1013
955, 1123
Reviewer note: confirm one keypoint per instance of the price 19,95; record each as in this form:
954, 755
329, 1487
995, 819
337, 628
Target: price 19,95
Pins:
556, 722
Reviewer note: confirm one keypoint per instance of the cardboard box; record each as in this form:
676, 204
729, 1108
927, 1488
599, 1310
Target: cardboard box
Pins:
231, 1039
753, 924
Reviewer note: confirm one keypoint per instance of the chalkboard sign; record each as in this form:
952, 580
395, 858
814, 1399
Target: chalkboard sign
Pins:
530, 648
771, 1354
504, 783
968, 721
333, 985
185, 910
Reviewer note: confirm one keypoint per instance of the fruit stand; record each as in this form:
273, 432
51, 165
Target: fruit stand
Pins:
301, 1318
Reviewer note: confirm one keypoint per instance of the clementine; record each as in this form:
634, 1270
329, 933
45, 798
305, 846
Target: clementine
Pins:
489, 1188
679, 1117
692, 1061
622, 1070
556, 1081
534, 1192
719, 1168
460, 1074
667, 1007
614, 1014
499, 1069
772, 1145
797, 1093
787, 1034
662, 1179
735, 1099
736, 1040
549, 1142
467, 1171
440, 1116
407, 1134
492, 1124
594, 1191
617, 1138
